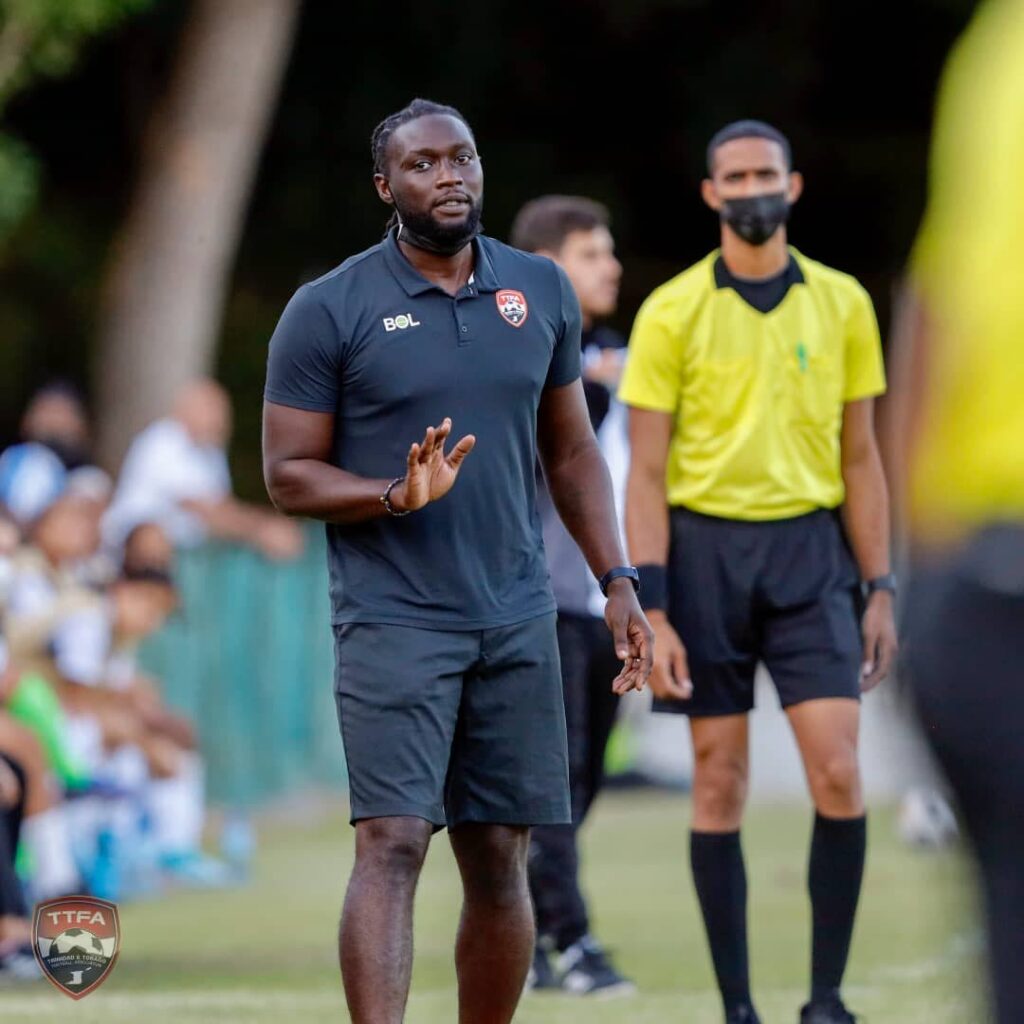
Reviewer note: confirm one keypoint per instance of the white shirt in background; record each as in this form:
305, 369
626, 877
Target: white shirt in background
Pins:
164, 468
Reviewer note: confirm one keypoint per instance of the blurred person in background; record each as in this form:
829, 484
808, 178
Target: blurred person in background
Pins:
176, 475
574, 232
80, 690
751, 380
16, 959
35, 813
31, 478
959, 429
56, 417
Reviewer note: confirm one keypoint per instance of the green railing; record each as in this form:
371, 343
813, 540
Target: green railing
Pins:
249, 658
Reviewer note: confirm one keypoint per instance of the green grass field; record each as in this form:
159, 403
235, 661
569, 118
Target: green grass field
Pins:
266, 953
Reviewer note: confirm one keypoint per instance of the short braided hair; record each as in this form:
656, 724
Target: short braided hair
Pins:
417, 108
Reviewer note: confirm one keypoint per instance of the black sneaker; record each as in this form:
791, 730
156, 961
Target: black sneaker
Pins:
830, 1011
585, 969
742, 1015
541, 976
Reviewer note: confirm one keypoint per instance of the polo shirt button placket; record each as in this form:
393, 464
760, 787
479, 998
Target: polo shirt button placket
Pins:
463, 334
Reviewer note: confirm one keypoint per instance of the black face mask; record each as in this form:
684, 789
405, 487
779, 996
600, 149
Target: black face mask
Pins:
756, 218
421, 230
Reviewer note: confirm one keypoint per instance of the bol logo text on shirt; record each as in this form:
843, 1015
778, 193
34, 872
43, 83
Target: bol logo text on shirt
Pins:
400, 322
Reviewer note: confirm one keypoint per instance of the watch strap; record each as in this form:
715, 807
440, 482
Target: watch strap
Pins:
886, 582
618, 572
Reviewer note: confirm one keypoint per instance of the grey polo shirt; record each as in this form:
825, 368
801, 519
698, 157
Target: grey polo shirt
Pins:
389, 354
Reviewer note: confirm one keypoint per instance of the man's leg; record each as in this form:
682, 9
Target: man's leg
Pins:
720, 775
826, 732
398, 691
496, 933
375, 937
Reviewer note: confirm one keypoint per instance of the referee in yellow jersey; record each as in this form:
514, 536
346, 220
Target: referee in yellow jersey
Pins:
962, 398
757, 513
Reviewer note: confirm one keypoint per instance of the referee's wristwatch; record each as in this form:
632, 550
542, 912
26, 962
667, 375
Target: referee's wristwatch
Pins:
886, 582
627, 571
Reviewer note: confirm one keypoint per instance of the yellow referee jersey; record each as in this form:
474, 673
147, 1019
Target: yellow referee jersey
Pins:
968, 265
757, 397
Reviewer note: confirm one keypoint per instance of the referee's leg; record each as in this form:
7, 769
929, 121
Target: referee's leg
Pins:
720, 780
826, 732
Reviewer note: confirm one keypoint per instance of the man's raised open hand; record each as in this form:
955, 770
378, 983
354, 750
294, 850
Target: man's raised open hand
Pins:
429, 473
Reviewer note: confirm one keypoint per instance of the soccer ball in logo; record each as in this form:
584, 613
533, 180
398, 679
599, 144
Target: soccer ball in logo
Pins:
76, 940
512, 306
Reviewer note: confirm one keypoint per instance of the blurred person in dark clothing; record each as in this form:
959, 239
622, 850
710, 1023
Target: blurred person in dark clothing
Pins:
959, 434
15, 923
56, 417
574, 232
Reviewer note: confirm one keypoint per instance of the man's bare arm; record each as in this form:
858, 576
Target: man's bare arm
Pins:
301, 481
647, 531
297, 447
866, 518
866, 509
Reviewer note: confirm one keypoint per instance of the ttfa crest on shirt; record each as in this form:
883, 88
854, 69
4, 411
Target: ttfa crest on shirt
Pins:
512, 306
76, 940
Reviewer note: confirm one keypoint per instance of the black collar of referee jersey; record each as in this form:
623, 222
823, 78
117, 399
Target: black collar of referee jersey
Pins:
415, 283
764, 295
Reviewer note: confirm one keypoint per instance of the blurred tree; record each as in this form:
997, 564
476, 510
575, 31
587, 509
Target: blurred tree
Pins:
41, 38
163, 294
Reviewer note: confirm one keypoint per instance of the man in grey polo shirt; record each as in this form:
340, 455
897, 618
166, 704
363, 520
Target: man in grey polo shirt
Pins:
573, 231
447, 677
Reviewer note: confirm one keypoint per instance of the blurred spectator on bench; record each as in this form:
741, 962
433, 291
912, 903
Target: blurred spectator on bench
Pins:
176, 475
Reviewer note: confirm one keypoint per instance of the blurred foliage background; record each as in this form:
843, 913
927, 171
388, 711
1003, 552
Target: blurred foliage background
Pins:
612, 100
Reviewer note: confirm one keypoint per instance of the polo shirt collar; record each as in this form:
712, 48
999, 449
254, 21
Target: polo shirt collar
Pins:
414, 283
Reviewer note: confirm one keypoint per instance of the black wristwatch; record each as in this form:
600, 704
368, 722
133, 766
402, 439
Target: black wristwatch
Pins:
616, 573
886, 582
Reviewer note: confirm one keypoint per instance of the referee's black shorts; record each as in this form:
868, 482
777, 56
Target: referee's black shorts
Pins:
783, 592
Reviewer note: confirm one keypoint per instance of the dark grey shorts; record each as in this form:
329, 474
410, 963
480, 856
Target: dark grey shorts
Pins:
453, 726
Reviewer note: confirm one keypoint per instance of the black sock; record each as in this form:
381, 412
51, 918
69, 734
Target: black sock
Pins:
833, 878
721, 882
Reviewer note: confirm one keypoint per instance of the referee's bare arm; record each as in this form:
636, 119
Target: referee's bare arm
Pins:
581, 489
297, 448
866, 519
647, 534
